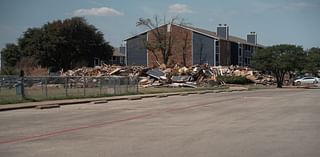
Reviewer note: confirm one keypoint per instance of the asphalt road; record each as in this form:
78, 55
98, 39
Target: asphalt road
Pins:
264, 123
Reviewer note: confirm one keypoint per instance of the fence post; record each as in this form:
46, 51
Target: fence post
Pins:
42, 86
114, 86
1, 84
128, 83
46, 85
136, 82
22, 88
66, 85
100, 87
84, 85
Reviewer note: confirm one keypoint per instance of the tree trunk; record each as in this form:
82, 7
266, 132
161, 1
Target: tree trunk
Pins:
184, 60
165, 56
184, 49
279, 84
279, 79
155, 56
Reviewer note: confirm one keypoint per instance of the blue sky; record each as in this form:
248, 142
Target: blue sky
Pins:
275, 21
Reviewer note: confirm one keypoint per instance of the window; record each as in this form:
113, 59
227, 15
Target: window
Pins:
240, 55
121, 60
217, 59
217, 43
217, 53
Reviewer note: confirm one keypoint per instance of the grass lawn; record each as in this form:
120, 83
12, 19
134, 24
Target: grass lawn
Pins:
32, 94
8, 96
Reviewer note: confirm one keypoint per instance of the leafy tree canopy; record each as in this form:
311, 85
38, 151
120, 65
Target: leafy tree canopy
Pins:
279, 59
61, 44
313, 61
11, 54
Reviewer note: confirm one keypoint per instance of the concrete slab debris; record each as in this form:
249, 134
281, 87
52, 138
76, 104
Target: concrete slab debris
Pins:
155, 73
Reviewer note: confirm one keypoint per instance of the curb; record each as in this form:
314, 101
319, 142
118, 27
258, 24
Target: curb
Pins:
183, 94
100, 102
47, 106
162, 96
56, 104
135, 98
16, 107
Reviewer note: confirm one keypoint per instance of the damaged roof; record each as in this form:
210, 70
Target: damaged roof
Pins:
116, 52
206, 33
214, 35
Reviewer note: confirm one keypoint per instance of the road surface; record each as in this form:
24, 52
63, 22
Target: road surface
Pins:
264, 123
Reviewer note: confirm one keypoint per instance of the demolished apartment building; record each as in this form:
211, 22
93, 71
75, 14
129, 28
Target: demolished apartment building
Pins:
198, 57
192, 46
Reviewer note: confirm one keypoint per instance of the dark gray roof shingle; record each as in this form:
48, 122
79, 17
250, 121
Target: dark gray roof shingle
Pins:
214, 34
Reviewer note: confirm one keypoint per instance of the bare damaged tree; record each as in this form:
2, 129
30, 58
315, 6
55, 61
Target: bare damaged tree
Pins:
184, 48
163, 41
152, 48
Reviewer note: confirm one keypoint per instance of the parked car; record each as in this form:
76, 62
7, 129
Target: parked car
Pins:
306, 80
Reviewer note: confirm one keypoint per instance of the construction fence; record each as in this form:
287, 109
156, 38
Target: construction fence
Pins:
57, 87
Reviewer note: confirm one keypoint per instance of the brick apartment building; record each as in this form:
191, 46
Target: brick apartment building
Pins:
193, 46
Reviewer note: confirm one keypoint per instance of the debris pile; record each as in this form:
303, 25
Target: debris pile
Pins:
104, 70
177, 76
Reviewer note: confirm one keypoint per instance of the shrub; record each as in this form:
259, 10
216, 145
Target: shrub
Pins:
8, 70
234, 79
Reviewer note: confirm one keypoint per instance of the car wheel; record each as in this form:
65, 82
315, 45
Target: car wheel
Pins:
298, 83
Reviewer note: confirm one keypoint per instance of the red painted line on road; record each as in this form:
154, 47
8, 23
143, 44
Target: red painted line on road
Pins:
55, 133
46, 135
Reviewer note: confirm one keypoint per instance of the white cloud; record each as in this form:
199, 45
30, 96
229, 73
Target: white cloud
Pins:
103, 11
180, 8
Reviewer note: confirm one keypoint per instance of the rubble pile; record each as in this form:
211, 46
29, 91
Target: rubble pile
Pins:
177, 76
104, 70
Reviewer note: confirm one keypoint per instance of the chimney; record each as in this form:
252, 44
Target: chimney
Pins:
223, 31
122, 49
168, 27
252, 38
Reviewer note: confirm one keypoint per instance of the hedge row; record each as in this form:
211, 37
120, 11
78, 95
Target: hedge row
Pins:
234, 79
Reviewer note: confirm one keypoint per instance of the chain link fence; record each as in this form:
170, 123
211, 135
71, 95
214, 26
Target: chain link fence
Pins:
41, 88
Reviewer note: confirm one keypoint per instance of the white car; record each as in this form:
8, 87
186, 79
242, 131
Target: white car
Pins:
306, 80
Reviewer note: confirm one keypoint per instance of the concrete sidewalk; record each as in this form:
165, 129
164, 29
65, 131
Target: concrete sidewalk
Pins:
57, 103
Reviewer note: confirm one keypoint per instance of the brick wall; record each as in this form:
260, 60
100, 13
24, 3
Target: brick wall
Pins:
181, 47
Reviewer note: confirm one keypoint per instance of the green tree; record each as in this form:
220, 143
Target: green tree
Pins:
64, 44
11, 55
313, 61
81, 42
279, 59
